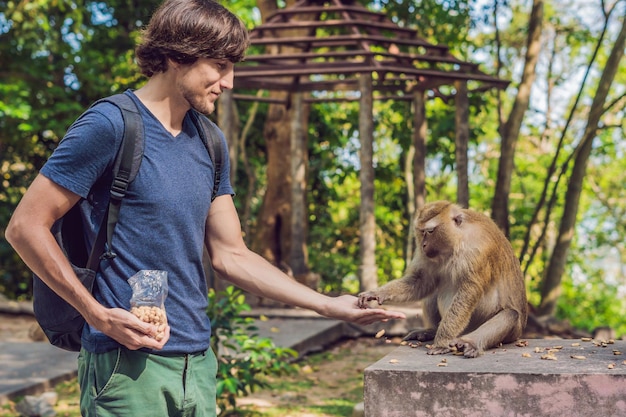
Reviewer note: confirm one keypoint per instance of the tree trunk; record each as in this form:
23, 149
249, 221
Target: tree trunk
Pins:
227, 122
461, 142
551, 284
367, 269
250, 173
274, 218
273, 237
299, 158
511, 129
410, 203
416, 181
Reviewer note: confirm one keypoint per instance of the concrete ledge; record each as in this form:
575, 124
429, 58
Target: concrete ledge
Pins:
304, 335
392, 327
508, 381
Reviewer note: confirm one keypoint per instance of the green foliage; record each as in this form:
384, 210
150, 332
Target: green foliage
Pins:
592, 300
593, 288
243, 356
57, 58
333, 196
440, 22
335, 188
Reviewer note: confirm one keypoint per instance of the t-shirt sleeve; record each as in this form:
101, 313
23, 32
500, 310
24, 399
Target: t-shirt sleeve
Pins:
87, 149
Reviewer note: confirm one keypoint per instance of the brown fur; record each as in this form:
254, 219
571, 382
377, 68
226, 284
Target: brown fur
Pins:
465, 271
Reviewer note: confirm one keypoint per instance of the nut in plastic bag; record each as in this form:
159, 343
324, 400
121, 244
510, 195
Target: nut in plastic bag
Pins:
148, 299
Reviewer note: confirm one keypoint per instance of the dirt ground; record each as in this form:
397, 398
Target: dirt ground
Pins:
335, 375
19, 328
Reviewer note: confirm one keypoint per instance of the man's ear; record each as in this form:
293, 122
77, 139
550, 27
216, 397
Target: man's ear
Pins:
171, 64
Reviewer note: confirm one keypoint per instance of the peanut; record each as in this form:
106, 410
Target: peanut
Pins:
153, 315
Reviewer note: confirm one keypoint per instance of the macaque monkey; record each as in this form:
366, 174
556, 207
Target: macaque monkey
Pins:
468, 277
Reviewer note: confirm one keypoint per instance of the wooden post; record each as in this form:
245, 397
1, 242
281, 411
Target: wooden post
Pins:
462, 140
367, 269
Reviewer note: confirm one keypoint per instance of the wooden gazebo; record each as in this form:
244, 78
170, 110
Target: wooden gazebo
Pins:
339, 50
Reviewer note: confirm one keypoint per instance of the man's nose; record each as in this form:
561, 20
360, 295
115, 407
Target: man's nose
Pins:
227, 80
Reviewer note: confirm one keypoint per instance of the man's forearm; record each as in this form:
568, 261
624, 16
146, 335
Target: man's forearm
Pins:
254, 274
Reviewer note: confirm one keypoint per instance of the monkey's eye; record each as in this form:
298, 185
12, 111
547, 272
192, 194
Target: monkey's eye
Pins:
428, 231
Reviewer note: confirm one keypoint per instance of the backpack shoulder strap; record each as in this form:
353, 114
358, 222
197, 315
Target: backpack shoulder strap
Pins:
213, 142
128, 159
125, 168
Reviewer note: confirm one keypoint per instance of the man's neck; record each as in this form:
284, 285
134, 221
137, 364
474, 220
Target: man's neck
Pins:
160, 96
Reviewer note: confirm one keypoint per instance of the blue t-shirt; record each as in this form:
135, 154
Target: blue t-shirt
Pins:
161, 221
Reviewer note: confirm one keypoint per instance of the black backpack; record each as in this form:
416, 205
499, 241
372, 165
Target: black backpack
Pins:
61, 323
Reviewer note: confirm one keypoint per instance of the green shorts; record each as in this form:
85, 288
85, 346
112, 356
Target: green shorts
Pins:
125, 383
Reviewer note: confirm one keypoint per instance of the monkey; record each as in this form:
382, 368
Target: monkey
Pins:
469, 280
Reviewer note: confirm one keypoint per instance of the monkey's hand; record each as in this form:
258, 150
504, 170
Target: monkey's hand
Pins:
421, 335
365, 297
467, 346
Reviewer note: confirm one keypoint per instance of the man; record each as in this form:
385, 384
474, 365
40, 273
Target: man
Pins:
188, 52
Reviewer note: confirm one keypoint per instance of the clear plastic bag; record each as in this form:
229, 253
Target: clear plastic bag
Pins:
148, 299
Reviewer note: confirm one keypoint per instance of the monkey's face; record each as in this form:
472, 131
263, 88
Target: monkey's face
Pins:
435, 242
437, 231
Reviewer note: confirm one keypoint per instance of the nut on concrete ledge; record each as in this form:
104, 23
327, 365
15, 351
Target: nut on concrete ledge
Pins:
534, 377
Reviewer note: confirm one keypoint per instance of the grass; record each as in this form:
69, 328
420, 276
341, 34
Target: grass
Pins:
66, 406
328, 384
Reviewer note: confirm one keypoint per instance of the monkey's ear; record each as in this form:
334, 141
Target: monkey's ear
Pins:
458, 216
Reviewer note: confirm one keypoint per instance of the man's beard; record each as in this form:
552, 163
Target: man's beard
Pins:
197, 102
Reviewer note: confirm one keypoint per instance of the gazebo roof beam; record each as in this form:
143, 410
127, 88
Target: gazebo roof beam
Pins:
349, 84
316, 9
335, 23
390, 92
322, 68
251, 97
342, 85
306, 56
345, 40
342, 68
